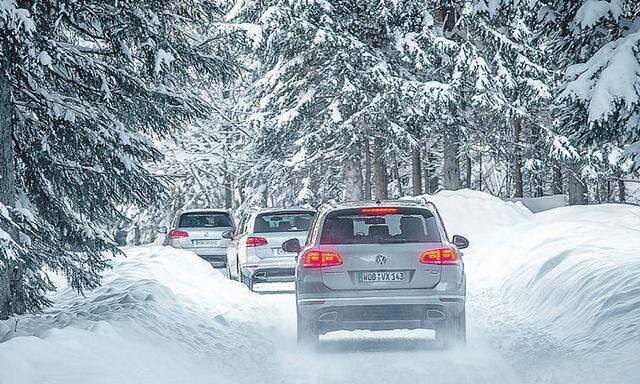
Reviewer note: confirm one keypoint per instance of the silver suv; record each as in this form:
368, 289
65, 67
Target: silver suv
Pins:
380, 266
200, 231
255, 254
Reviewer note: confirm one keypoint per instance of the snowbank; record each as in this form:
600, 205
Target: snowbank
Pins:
575, 272
162, 315
572, 272
476, 214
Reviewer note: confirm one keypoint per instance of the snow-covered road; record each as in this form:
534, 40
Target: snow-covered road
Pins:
553, 298
387, 357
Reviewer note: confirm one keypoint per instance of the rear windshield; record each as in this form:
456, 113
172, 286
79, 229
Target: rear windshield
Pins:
283, 222
205, 220
380, 225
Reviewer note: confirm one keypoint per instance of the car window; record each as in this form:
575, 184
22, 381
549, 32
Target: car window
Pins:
205, 220
283, 222
380, 225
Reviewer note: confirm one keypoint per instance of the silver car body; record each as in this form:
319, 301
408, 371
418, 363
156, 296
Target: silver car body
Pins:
268, 262
206, 242
333, 298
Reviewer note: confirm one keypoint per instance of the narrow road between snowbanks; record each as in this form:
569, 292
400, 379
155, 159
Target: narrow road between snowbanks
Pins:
553, 298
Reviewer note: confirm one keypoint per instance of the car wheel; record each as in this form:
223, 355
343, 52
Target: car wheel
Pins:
248, 280
454, 331
308, 336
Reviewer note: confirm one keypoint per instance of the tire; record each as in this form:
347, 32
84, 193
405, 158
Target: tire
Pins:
248, 280
308, 336
454, 331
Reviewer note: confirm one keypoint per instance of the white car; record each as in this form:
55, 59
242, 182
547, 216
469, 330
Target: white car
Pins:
200, 231
255, 253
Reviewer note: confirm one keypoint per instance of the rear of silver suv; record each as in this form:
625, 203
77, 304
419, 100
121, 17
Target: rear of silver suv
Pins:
380, 267
201, 231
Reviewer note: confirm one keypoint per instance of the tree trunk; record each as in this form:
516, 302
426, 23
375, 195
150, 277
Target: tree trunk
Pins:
517, 161
416, 171
480, 172
7, 175
380, 170
228, 187
577, 190
468, 173
622, 191
367, 170
557, 179
451, 164
352, 179
397, 177
431, 181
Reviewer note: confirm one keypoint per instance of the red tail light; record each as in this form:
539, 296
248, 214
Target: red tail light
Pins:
256, 241
440, 256
379, 211
314, 258
177, 234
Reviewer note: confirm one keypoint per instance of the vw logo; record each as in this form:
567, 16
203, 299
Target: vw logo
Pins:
381, 259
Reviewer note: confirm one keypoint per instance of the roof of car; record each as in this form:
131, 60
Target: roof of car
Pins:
418, 202
282, 209
211, 210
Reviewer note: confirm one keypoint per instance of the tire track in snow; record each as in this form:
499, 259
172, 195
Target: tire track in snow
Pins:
388, 357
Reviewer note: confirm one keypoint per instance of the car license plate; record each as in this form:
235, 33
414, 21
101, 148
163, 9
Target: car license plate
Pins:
211, 243
370, 277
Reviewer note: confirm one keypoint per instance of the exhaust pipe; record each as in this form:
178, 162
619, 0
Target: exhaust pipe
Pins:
434, 314
328, 316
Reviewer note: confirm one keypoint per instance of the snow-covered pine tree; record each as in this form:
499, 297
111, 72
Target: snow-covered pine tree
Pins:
205, 167
596, 45
523, 85
331, 75
90, 82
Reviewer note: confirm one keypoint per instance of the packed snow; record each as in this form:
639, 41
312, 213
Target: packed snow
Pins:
162, 316
554, 297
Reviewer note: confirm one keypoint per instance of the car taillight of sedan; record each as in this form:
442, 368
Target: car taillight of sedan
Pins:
253, 241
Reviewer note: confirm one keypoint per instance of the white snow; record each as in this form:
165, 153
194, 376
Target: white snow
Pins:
554, 297
162, 316
163, 58
607, 79
592, 11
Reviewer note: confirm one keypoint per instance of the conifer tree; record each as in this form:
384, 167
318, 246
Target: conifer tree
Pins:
91, 83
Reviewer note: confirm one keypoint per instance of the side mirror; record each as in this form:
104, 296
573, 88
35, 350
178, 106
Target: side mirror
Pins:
228, 234
292, 246
162, 229
460, 241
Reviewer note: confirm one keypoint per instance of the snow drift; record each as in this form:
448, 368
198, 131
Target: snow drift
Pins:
572, 272
162, 315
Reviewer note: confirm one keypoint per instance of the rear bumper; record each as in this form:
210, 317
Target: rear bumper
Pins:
273, 275
271, 270
218, 261
381, 313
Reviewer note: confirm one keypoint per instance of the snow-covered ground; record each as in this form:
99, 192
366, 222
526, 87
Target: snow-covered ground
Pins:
554, 297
